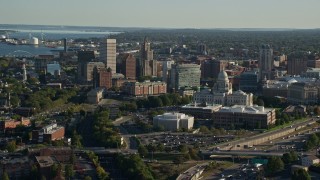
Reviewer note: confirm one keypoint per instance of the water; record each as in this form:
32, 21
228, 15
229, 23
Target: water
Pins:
47, 33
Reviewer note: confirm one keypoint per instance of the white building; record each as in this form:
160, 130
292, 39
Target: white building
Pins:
221, 93
309, 160
173, 121
108, 53
95, 96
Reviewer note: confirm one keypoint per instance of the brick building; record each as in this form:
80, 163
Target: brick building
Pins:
48, 133
144, 88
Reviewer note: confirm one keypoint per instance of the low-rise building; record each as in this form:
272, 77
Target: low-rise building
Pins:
293, 110
204, 111
95, 95
303, 93
61, 154
16, 167
48, 133
145, 88
44, 164
12, 123
246, 117
173, 121
309, 160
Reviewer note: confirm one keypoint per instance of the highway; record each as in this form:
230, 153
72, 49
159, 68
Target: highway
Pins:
243, 153
267, 134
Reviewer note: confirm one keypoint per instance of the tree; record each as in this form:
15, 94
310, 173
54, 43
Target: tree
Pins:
33, 81
314, 139
54, 170
69, 171
102, 175
11, 146
178, 160
5, 176
275, 164
260, 102
204, 129
160, 147
294, 156
165, 100
286, 158
142, 150
76, 139
300, 174
183, 148
87, 178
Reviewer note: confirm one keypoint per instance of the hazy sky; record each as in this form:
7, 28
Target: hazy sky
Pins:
164, 13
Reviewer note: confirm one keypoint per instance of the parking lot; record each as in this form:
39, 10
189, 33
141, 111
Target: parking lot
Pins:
175, 140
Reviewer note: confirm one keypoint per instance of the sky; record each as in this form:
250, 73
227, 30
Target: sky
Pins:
302, 14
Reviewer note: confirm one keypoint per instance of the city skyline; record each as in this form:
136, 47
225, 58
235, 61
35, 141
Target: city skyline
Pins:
164, 14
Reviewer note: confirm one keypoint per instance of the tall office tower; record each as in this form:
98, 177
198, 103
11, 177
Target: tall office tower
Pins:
89, 70
147, 66
150, 68
265, 61
108, 53
202, 49
128, 66
211, 68
297, 63
184, 75
83, 58
166, 66
102, 77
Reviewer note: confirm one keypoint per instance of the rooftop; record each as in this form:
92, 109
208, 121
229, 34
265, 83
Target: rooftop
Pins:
44, 161
246, 109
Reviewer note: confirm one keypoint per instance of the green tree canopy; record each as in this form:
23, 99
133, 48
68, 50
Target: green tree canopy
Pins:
300, 174
275, 164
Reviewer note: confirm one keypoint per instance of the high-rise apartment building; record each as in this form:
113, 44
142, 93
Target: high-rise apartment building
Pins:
108, 53
297, 63
102, 78
184, 75
128, 66
211, 68
265, 61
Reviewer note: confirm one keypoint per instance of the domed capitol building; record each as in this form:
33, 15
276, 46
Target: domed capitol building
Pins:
221, 93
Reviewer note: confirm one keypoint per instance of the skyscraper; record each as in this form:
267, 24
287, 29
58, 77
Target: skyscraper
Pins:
184, 75
297, 63
108, 53
128, 68
265, 61
83, 58
147, 65
102, 77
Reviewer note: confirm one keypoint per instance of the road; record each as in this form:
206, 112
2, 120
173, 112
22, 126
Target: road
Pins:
123, 131
243, 153
188, 174
267, 134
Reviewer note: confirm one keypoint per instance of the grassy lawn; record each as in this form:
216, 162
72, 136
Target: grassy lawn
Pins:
286, 124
